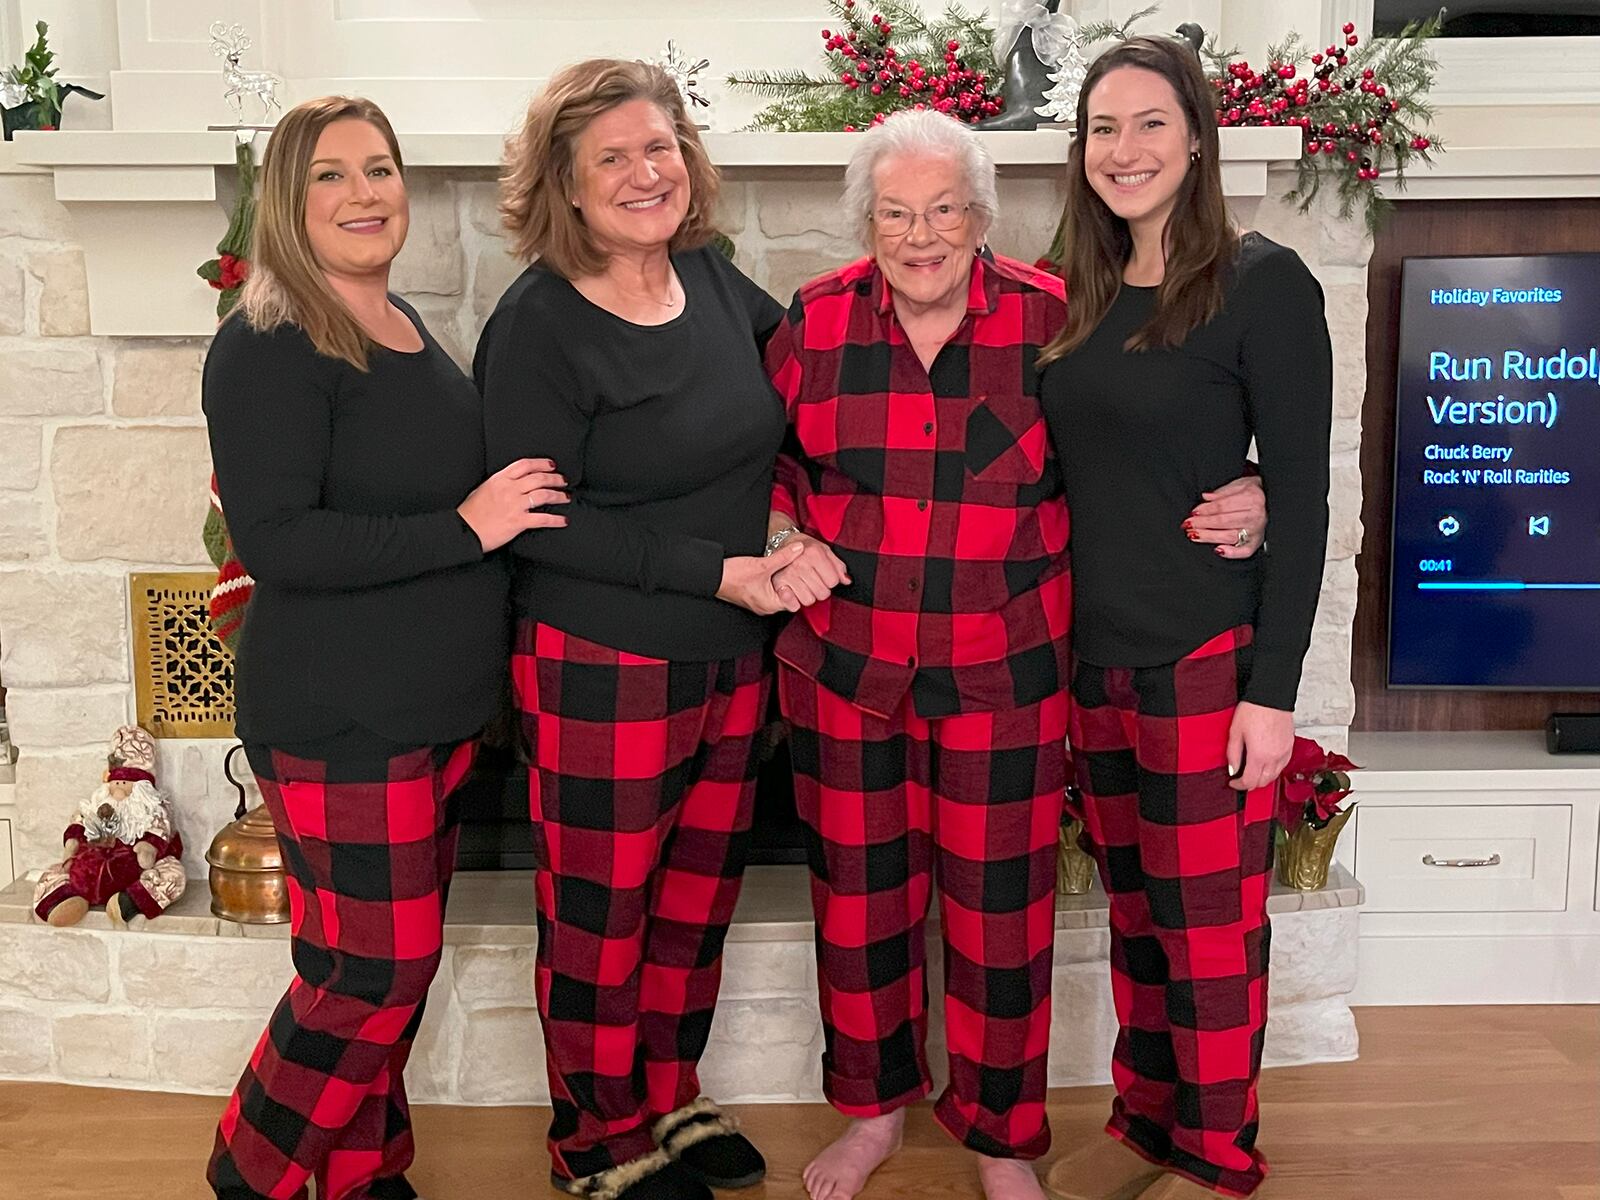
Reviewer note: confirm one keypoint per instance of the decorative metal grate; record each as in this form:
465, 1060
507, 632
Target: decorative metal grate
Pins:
183, 676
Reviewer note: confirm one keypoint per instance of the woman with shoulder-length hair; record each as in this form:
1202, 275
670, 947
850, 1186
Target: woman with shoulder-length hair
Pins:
1184, 340
349, 456
629, 351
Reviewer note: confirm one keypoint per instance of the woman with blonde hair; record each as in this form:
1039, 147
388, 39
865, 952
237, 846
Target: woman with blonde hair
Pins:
349, 455
629, 352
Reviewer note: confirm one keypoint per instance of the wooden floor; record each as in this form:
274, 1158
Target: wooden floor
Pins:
1444, 1104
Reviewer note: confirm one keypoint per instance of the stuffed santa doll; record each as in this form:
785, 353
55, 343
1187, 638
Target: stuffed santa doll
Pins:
120, 848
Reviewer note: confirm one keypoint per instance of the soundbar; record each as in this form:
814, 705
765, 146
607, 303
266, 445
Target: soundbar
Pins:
1573, 733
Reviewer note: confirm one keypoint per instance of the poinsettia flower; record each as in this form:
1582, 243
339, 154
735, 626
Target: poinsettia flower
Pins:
1325, 806
1304, 758
1312, 784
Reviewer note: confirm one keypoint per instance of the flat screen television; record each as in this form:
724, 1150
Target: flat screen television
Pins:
1495, 576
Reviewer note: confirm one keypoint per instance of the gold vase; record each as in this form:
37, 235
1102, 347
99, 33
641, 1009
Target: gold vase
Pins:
1304, 856
1074, 868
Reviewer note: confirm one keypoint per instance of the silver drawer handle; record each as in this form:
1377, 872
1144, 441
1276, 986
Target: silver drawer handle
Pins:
1429, 860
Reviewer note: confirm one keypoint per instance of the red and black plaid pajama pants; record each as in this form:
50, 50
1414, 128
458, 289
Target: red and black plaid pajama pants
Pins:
1186, 861
642, 791
368, 854
888, 803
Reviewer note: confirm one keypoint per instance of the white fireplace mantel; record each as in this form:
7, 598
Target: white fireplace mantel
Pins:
148, 208
72, 150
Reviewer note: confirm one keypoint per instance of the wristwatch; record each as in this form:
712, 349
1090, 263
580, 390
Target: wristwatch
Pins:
778, 539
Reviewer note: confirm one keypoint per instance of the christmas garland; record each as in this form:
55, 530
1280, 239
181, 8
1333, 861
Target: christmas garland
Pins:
1361, 109
896, 58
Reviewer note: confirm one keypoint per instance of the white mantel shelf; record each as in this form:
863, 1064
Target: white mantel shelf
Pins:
1039, 148
1469, 173
1505, 172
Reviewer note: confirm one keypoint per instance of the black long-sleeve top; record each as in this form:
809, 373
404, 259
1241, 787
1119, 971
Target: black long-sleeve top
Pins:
376, 617
666, 435
1141, 434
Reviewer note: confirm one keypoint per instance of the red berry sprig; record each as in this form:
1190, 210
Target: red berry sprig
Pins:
1281, 96
871, 62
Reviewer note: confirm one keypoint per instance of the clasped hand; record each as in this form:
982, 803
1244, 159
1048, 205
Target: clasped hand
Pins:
813, 575
800, 572
1233, 518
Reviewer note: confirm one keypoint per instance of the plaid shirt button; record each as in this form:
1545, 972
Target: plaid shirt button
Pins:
928, 428
922, 505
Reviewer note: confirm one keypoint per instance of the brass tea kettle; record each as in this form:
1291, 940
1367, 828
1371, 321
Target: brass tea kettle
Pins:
247, 880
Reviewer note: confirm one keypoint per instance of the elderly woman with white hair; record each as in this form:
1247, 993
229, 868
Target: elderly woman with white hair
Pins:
925, 676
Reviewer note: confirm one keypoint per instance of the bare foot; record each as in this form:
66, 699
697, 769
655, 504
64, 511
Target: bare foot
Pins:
1008, 1179
842, 1169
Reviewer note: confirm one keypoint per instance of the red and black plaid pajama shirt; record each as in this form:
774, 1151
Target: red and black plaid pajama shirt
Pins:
927, 696
369, 849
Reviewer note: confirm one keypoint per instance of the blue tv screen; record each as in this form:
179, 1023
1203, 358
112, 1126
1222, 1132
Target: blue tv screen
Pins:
1495, 577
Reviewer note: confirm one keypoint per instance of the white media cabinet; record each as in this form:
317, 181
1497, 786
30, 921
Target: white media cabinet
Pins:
1478, 853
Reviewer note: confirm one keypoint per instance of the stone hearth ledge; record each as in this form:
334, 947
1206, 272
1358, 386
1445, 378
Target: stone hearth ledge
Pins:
496, 908
179, 1008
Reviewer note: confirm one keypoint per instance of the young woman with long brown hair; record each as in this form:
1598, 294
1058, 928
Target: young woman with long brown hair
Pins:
1184, 340
349, 456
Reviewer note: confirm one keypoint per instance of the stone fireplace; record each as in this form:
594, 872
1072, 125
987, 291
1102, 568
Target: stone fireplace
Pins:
103, 460
103, 472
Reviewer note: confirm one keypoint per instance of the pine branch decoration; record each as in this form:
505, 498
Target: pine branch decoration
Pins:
781, 82
1119, 31
1362, 110
900, 58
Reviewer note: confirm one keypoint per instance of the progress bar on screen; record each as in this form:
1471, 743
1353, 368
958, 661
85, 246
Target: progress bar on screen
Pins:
1505, 585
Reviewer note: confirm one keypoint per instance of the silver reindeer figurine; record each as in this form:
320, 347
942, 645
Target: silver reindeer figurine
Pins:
228, 42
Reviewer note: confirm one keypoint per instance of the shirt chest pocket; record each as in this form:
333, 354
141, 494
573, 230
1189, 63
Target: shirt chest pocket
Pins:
1006, 439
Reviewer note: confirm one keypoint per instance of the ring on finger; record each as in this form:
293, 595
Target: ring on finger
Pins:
1243, 539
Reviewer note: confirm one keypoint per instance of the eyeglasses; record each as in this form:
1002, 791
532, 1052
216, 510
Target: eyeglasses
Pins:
897, 222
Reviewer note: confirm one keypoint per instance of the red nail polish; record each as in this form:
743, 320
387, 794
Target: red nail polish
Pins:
1191, 535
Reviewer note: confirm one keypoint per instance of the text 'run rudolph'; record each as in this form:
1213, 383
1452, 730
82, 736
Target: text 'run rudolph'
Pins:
1514, 365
